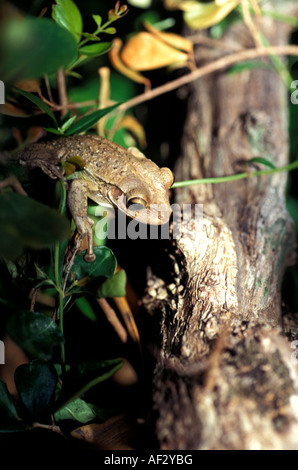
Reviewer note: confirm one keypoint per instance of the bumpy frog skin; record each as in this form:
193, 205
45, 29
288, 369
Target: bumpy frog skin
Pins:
112, 175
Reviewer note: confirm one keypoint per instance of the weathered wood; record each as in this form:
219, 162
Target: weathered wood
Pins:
224, 377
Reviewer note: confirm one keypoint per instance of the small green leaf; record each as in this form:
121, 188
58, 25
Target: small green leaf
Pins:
53, 131
91, 37
84, 376
115, 286
77, 410
40, 273
110, 30
36, 384
86, 122
35, 333
95, 49
97, 19
263, 161
39, 103
104, 265
68, 16
86, 309
68, 123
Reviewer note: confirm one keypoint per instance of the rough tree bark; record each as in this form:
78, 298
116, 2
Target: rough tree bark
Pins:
224, 377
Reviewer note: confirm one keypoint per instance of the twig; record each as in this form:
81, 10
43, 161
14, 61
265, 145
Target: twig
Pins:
236, 177
104, 96
216, 65
13, 182
250, 24
212, 67
113, 319
128, 319
198, 38
33, 298
62, 92
51, 427
70, 264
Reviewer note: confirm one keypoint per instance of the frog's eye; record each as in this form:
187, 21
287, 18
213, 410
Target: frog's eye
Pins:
137, 201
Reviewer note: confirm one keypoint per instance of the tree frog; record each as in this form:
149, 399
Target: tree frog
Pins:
110, 175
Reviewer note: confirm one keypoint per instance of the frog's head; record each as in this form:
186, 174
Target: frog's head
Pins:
145, 199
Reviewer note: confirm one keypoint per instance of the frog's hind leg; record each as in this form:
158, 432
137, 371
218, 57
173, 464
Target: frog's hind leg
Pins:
78, 205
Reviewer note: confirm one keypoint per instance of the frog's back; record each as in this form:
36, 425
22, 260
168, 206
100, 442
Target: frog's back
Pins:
98, 153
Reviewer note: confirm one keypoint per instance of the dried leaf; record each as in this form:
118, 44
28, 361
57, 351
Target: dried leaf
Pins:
10, 109
172, 39
130, 123
144, 51
34, 134
198, 15
117, 433
116, 61
32, 86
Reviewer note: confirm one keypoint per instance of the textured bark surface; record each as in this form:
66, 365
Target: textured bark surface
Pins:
224, 378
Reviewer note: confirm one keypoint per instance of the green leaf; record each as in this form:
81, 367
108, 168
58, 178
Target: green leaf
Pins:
91, 37
35, 333
115, 286
28, 223
53, 131
88, 121
7, 407
84, 376
77, 410
68, 16
39, 103
9, 419
104, 265
68, 123
263, 161
86, 309
97, 19
36, 384
53, 47
110, 30
95, 49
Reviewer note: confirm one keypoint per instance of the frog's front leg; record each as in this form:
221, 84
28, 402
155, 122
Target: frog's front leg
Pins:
78, 205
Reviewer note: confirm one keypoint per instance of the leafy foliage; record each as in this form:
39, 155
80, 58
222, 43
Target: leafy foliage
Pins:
35, 234
44, 36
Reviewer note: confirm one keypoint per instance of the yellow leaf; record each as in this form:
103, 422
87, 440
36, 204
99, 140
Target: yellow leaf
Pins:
172, 39
144, 51
114, 56
205, 15
198, 15
179, 4
130, 123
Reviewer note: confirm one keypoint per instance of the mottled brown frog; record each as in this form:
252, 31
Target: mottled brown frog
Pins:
111, 175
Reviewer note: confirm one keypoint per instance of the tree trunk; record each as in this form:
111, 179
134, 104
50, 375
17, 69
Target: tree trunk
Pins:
224, 377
